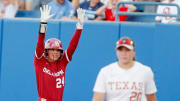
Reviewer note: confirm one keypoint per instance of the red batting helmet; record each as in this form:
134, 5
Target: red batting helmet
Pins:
53, 43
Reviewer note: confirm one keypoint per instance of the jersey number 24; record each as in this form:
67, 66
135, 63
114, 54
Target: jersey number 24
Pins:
59, 82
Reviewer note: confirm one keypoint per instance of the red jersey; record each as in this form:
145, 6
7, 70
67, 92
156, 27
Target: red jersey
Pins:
50, 76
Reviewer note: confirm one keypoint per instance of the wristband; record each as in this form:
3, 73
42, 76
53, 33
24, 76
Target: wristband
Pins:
79, 26
43, 28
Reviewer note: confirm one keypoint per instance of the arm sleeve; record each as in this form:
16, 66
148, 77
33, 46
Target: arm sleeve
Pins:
150, 87
100, 83
73, 44
40, 46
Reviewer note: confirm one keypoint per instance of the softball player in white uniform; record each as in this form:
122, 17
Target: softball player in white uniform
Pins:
126, 79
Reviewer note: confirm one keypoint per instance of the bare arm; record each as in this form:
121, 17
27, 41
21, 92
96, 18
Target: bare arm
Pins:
98, 96
100, 10
74, 18
25, 5
75, 3
132, 8
28, 5
151, 97
13, 2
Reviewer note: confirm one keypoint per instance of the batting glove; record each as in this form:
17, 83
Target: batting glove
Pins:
45, 16
81, 18
45, 13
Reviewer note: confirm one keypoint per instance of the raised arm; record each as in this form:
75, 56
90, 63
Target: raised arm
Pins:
45, 15
75, 39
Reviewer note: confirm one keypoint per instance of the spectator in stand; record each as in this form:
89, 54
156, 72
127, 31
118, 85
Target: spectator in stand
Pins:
8, 8
62, 9
91, 7
167, 10
25, 4
109, 10
77, 2
38, 3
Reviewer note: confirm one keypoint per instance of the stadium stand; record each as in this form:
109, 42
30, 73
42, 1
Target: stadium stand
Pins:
28, 14
145, 16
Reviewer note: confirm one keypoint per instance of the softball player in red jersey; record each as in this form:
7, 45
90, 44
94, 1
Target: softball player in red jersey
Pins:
51, 60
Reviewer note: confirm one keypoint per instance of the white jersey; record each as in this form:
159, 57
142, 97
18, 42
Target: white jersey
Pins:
119, 84
167, 10
9, 11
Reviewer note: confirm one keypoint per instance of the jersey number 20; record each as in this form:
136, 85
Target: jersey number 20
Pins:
60, 82
136, 96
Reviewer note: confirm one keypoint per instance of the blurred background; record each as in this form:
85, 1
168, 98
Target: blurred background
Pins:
152, 24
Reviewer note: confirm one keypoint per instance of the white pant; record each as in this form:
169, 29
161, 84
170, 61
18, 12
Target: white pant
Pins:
42, 99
